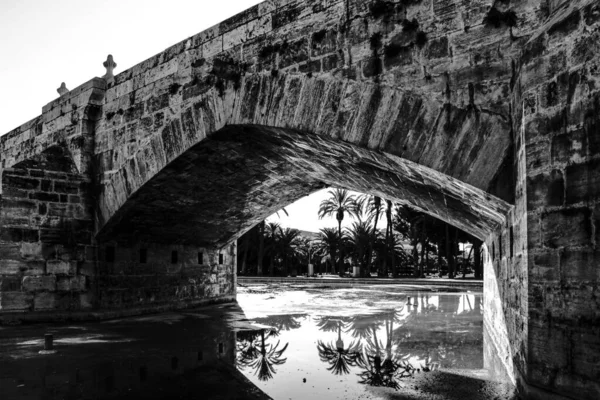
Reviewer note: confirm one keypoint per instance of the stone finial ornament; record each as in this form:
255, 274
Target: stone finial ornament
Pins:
110, 65
62, 90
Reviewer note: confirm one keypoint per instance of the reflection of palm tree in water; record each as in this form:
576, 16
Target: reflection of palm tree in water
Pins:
381, 366
281, 322
254, 352
339, 358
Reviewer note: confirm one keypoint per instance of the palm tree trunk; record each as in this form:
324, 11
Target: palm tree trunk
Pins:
448, 251
426, 260
261, 248
465, 262
341, 249
439, 261
245, 254
370, 255
422, 251
452, 254
332, 261
394, 270
477, 260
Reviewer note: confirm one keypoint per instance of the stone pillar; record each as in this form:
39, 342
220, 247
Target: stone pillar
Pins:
46, 223
557, 111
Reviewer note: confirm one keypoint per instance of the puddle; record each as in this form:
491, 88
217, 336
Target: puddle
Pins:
290, 342
367, 343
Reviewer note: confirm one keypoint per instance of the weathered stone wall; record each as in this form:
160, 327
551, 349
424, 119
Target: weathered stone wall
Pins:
68, 120
547, 328
560, 119
47, 257
148, 274
506, 297
441, 103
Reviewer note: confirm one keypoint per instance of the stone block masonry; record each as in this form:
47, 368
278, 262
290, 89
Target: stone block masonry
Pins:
45, 236
147, 274
50, 262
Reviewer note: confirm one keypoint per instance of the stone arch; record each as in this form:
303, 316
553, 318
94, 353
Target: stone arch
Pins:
465, 149
225, 184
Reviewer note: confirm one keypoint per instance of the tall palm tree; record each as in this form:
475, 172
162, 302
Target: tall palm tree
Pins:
261, 247
328, 244
388, 235
339, 203
361, 240
271, 244
287, 242
372, 211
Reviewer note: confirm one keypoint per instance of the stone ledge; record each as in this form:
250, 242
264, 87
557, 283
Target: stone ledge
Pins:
14, 318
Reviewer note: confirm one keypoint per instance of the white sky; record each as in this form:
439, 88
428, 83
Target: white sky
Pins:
303, 214
46, 42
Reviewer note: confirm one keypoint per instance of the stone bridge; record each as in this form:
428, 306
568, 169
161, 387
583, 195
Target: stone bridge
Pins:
128, 192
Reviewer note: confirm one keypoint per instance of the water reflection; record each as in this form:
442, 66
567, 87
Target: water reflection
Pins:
282, 322
173, 355
257, 354
377, 347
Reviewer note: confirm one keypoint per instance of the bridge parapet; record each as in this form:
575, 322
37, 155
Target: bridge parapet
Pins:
66, 121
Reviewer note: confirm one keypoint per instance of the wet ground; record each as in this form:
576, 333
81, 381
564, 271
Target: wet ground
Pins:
184, 355
369, 342
286, 340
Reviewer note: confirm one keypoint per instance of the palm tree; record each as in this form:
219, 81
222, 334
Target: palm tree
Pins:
261, 248
389, 232
361, 240
328, 244
271, 244
339, 203
287, 243
373, 211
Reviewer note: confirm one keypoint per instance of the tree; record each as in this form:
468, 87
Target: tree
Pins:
271, 245
388, 235
372, 205
328, 244
361, 238
339, 203
287, 242
261, 248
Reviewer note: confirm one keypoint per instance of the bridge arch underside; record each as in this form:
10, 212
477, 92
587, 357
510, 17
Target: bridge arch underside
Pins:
227, 183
